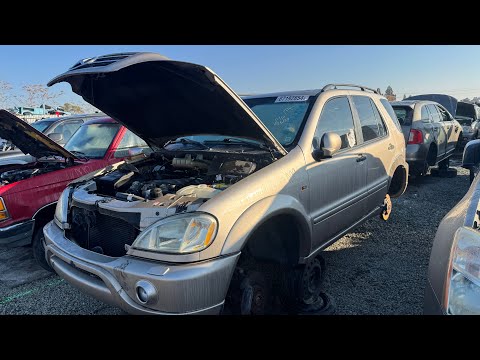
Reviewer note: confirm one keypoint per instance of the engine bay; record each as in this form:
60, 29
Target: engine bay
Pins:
196, 175
13, 173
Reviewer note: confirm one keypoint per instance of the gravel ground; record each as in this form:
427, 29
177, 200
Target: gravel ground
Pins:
379, 269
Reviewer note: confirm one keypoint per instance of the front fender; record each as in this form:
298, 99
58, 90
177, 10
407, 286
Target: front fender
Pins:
262, 211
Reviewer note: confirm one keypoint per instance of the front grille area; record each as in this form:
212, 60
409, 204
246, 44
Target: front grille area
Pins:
101, 233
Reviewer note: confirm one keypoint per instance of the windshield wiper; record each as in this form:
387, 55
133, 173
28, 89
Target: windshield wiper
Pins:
235, 141
186, 141
80, 154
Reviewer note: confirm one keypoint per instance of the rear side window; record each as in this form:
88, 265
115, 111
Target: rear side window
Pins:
425, 115
129, 141
404, 114
391, 112
370, 119
337, 117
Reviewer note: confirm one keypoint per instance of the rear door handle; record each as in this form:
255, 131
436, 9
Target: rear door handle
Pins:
361, 158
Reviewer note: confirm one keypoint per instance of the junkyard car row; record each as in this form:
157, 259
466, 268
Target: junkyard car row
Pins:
223, 204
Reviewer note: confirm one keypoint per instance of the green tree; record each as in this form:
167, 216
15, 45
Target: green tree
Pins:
73, 108
389, 90
5, 88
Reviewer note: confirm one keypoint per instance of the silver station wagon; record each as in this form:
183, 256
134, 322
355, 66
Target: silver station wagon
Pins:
239, 197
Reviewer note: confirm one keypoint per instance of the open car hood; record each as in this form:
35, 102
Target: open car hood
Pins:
447, 101
28, 139
160, 99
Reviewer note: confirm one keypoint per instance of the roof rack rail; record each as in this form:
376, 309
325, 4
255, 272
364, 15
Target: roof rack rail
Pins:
335, 86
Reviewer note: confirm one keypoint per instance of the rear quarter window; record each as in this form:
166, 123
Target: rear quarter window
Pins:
391, 112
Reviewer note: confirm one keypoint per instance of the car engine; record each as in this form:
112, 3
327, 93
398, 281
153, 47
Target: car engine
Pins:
13, 173
190, 174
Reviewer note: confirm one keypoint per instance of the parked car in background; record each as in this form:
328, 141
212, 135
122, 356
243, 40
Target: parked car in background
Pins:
431, 134
61, 129
29, 192
453, 285
58, 129
237, 201
468, 115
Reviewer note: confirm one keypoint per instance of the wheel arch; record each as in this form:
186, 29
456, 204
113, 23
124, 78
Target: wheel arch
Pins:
44, 214
281, 210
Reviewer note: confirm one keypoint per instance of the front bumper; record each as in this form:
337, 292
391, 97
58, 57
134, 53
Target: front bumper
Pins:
17, 235
195, 288
431, 305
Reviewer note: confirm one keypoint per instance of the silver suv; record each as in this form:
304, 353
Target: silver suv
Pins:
238, 198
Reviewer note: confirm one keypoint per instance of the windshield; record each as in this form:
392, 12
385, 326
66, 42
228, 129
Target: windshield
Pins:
41, 125
282, 116
93, 140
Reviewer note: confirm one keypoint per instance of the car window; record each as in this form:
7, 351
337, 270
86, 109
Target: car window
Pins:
337, 117
41, 125
386, 104
93, 140
404, 114
435, 115
67, 129
443, 114
370, 119
130, 140
282, 115
425, 114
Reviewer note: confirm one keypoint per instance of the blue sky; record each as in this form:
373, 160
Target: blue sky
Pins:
452, 70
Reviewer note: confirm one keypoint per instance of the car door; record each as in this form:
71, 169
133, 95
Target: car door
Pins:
337, 184
377, 147
439, 132
453, 129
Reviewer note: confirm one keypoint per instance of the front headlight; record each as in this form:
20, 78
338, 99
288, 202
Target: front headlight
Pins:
61, 210
179, 234
464, 274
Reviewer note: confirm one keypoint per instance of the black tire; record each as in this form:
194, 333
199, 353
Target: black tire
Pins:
39, 250
302, 287
256, 296
324, 307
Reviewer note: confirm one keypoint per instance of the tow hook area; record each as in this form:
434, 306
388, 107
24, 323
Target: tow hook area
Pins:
387, 208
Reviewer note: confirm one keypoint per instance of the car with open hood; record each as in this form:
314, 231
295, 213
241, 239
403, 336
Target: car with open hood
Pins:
59, 129
431, 132
468, 115
29, 191
238, 198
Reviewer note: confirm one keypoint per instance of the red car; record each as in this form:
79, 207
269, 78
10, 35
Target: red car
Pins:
29, 192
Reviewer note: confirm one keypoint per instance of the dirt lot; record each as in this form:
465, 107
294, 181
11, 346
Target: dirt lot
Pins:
378, 269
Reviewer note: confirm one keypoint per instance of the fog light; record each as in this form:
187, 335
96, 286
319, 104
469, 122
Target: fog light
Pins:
146, 292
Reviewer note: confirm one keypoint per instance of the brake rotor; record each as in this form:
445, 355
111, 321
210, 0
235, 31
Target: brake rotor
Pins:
387, 208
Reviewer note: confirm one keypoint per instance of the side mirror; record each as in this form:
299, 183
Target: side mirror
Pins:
57, 137
329, 145
132, 152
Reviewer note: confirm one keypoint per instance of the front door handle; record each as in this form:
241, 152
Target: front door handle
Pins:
391, 147
361, 158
